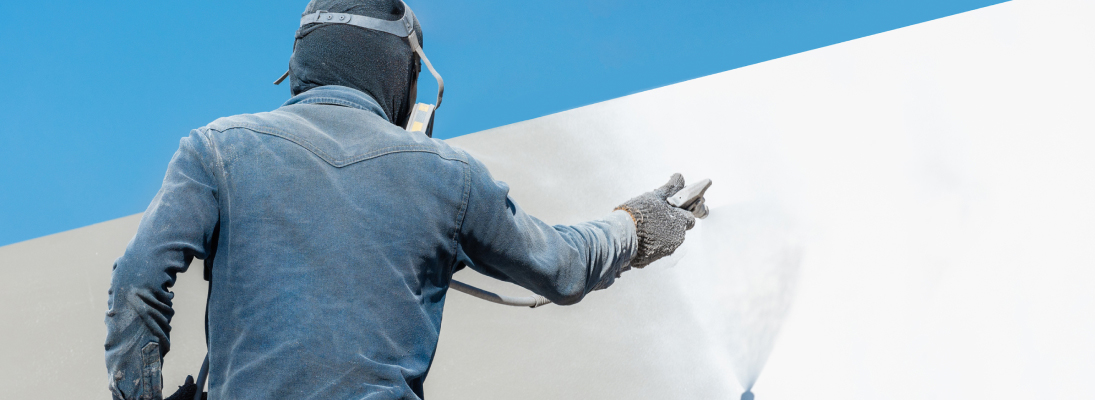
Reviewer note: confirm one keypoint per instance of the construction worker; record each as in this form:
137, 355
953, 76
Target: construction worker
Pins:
330, 232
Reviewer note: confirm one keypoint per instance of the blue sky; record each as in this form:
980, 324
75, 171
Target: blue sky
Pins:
98, 94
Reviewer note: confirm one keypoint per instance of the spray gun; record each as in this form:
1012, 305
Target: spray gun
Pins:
690, 198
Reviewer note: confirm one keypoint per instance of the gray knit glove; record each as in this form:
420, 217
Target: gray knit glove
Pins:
659, 225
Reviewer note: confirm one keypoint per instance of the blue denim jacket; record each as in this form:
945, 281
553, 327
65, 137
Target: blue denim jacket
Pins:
329, 237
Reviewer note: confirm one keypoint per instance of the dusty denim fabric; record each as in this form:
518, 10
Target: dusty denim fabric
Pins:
329, 237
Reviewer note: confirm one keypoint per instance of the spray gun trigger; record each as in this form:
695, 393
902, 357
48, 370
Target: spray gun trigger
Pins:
691, 198
699, 209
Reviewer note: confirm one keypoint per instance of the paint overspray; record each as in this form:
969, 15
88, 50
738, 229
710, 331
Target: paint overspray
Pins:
740, 270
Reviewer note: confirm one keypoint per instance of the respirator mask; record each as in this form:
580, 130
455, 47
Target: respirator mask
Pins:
421, 114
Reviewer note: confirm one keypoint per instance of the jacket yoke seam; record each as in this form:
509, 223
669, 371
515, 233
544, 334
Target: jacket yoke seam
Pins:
342, 162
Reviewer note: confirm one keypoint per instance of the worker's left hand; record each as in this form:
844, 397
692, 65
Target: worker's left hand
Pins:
659, 226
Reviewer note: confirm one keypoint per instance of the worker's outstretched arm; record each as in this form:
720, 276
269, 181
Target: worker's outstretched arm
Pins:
561, 262
179, 225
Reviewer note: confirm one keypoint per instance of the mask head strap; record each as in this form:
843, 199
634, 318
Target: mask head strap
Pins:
403, 27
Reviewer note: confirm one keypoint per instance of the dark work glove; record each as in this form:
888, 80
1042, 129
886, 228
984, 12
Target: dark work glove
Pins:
186, 391
659, 226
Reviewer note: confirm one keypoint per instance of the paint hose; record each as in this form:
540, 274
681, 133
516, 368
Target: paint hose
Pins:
202, 374
529, 301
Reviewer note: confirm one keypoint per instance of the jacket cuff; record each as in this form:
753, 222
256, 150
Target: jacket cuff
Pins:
625, 243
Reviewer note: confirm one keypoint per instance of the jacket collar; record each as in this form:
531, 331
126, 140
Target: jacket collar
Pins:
339, 96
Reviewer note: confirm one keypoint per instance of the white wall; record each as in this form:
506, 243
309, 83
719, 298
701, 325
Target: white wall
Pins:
941, 177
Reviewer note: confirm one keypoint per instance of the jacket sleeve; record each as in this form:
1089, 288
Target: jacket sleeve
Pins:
180, 224
562, 263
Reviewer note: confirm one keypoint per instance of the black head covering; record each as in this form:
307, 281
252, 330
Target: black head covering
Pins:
374, 62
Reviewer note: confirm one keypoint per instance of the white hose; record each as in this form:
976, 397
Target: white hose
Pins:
530, 301
202, 374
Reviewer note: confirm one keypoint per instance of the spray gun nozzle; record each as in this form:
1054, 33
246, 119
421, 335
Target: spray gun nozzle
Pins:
691, 198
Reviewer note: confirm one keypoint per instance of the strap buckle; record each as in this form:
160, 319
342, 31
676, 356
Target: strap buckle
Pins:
324, 16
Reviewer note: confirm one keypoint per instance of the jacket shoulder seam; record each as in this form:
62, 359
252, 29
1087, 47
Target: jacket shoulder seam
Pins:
463, 214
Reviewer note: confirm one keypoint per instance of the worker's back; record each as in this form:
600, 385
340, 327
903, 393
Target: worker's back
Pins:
330, 234
337, 238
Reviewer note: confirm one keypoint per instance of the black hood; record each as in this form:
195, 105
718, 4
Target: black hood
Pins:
374, 62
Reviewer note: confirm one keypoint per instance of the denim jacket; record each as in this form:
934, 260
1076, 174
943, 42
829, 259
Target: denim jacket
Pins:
329, 237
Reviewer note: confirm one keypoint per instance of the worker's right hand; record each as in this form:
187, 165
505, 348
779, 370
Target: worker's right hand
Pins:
659, 226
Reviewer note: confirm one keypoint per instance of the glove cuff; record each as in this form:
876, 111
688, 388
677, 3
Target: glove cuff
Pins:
630, 213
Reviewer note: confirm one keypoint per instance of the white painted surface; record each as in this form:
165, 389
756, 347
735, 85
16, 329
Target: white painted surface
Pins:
943, 174
54, 289
941, 177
